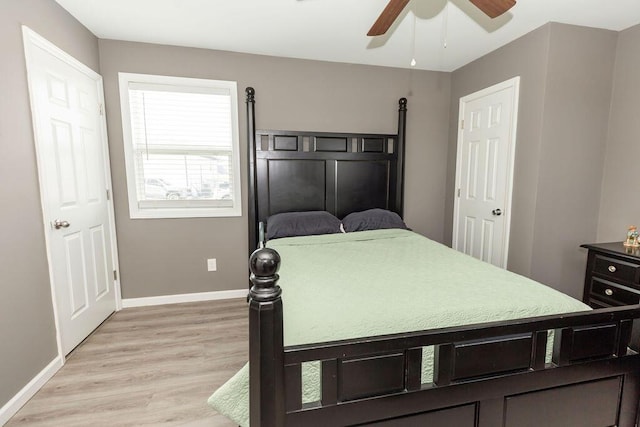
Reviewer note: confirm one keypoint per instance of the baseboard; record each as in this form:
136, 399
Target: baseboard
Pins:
27, 392
180, 298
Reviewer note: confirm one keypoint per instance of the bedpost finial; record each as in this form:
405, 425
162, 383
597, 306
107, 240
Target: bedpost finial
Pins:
264, 264
403, 104
250, 94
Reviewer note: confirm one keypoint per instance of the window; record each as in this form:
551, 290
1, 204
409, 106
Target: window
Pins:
181, 146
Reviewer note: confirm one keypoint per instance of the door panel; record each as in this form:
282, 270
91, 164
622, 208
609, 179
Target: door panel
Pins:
484, 173
100, 261
469, 234
64, 163
472, 170
487, 241
491, 170
71, 148
75, 273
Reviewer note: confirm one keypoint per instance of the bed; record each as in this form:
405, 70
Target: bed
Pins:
322, 352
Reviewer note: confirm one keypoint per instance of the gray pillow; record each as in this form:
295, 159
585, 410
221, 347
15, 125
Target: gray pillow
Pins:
372, 219
292, 224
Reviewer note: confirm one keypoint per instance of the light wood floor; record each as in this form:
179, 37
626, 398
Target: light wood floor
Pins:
147, 366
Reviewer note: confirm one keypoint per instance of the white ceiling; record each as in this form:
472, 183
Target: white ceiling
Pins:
335, 30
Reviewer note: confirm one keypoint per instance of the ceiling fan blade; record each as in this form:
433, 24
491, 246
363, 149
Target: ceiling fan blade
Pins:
386, 18
493, 8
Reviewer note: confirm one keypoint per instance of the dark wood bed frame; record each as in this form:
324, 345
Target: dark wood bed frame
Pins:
485, 375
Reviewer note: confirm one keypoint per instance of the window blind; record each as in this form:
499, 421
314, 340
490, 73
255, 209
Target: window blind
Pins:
182, 141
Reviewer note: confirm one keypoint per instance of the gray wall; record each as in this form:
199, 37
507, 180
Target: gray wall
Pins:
566, 74
27, 330
620, 201
574, 131
167, 256
525, 57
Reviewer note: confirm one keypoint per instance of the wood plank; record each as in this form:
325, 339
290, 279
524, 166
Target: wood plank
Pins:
479, 358
329, 382
293, 387
367, 346
463, 416
371, 376
592, 404
435, 398
147, 366
413, 379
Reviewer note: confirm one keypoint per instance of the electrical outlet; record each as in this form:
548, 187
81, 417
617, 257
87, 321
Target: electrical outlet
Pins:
211, 264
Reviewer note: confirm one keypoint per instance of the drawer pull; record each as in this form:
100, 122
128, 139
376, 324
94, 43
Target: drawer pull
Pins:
608, 291
612, 268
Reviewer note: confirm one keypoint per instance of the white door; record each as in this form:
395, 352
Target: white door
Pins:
484, 172
71, 145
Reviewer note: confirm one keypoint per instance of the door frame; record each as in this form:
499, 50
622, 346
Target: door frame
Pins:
511, 83
32, 41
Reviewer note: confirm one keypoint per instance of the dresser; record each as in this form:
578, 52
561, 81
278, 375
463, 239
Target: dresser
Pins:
613, 275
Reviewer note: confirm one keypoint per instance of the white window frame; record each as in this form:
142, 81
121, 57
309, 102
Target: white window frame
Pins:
167, 211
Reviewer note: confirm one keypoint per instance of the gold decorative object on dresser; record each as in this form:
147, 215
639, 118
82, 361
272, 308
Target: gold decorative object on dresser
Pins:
613, 275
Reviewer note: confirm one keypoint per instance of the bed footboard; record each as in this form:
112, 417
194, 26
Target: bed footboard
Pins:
492, 374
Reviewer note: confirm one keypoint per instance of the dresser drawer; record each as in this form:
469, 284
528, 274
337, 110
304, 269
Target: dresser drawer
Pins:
613, 293
616, 269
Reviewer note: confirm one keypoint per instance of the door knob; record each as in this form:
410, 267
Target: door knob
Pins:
58, 224
496, 212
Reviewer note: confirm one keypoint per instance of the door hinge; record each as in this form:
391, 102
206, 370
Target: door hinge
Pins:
458, 192
100, 109
115, 274
462, 124
108, 194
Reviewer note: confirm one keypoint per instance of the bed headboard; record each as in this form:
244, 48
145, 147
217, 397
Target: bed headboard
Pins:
341, 173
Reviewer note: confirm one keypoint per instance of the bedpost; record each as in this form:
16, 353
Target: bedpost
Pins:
402, 129
251, 165
266, 347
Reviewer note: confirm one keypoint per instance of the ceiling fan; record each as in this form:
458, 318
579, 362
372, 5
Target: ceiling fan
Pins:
491, 8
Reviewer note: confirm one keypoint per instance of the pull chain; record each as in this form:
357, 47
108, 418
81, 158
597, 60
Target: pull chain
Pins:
413, 43
445, 23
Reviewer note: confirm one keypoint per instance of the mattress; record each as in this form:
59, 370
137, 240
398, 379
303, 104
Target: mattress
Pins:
342, 286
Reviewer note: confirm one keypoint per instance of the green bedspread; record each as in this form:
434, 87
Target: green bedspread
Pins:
341, 286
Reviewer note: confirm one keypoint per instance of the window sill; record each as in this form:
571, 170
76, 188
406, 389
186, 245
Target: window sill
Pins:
164, 213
